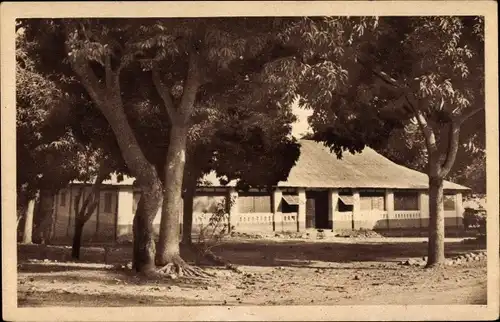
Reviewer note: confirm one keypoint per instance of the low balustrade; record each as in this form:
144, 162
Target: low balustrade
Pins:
253, 221
405, 219
370, 219
287, 217
406, 214
342, 216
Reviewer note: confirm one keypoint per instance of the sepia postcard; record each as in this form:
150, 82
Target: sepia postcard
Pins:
250, 161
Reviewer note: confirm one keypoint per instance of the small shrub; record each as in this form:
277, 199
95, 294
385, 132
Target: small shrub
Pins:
217, 228
475, 219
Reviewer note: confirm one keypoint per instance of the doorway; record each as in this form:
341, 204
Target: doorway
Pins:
317, 210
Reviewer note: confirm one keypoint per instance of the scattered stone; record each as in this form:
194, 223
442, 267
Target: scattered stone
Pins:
356, 277
129, 265
362, 233
46, 260
174, 288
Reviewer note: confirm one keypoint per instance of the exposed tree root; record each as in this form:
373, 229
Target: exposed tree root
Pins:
208, 254
435, 265
177, 267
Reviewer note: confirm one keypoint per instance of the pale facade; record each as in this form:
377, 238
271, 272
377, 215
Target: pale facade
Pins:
284, 209
359, 191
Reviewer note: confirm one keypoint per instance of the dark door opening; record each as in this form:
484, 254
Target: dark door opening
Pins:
317, 210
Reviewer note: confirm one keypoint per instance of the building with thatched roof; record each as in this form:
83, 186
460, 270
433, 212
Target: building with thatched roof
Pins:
359, 191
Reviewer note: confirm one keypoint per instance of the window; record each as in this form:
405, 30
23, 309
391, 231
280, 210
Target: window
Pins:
289, 203
107, 201
406, 201
449, 202
63, 199
251, 203
372, 202
345, 203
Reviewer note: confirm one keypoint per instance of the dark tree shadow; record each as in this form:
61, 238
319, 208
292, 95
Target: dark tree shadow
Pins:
255, 253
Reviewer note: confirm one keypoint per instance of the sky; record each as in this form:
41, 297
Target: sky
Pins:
301, 126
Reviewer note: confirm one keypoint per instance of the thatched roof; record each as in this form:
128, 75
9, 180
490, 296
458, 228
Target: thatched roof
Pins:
317, 167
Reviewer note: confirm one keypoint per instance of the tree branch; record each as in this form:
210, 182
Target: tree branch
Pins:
164, 93
86, 210
464, 117
452, 149
110, 77
192, 84
82, 68
430, 138
77, 201
381, 74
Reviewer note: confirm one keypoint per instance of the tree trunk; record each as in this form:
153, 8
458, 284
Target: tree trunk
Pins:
187, 213
144, 244
77, 239
28, 222
109, 101
46, 216
148, 181
168, 245
436, 223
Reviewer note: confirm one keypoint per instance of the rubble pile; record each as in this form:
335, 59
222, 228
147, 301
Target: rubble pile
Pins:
363, 233
453, 261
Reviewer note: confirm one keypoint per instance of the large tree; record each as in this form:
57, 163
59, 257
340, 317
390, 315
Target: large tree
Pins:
426, 72
189, 61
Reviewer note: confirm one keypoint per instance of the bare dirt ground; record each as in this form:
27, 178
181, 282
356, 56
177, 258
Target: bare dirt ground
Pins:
276, 272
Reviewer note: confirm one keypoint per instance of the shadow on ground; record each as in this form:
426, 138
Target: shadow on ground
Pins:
300, 253
260, 252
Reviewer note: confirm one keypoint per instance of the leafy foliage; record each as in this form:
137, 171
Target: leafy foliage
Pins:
475, 219
217, 228
44, 160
